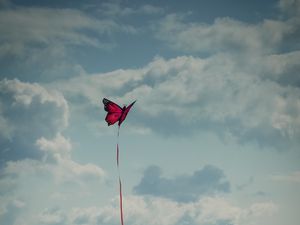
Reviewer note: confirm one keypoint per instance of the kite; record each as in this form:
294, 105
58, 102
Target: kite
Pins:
116, 113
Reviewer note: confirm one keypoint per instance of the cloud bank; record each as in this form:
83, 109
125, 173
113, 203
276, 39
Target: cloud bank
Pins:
214, 94
35, 155
38, 31
158, 211
184, 188
28, 112
32, 121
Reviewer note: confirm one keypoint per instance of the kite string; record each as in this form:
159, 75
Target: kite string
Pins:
120, 183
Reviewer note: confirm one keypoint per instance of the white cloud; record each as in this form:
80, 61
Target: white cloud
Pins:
51, 216
224, 35
213, 209
25, 167
262, 209
29, 105
282, 68
64, 170
24, 92
58, 151
35, 118
113, 9
214, 93
37, 159
59, 146
9, 211
30, 27
68, 170
18, 203
157, 211
5, 128
290, 6
293, 177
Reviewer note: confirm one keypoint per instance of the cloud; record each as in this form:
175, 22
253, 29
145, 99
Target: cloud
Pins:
52, 47
55, 149
37, 156
11, 212
282, 68
291, 7
203, 94
150, 9
159, 211
246, 184
58, 147
58, 152
52, 216
183, 188
293, 177
37, 30
156, 211
224, 35
116, 9
33, 119
29, 106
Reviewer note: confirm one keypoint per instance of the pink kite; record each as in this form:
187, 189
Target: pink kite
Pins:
116, 113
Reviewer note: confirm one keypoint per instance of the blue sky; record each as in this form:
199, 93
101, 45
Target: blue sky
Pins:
212, 140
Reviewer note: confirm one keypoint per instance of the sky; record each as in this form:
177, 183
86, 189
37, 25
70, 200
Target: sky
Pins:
213, 139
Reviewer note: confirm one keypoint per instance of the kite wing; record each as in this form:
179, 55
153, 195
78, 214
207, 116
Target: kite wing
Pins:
114, 111
125, 112
112, 118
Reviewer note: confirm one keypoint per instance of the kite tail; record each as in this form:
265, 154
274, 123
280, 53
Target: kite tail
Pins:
120, 183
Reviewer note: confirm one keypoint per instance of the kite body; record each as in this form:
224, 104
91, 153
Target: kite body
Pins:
115, 112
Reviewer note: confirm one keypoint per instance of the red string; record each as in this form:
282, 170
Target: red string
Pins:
120, 184
121, 202
118, 155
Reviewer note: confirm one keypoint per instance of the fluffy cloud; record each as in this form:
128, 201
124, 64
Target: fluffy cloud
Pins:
269, 48
243, 39
52, 47
35, 155
59, 147
224, 35
154, 211
28, 112
184, 188
33, 119
51, 217
58, 152
11, 212
281, 68
212, 94
38, 30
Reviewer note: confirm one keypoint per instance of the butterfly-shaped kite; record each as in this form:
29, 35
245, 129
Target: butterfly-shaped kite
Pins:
115, 112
